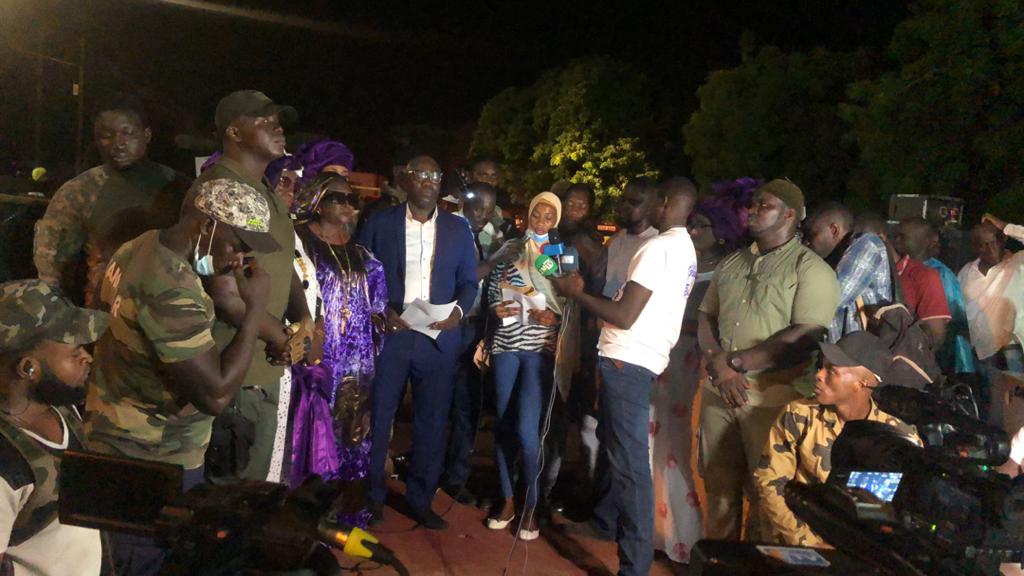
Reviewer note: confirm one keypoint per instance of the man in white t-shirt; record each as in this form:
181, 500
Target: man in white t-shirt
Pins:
43, 369
642, 325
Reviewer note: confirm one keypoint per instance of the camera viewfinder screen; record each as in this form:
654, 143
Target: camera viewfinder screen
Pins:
881, 484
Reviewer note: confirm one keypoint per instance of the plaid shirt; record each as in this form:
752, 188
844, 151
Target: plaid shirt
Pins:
863, 272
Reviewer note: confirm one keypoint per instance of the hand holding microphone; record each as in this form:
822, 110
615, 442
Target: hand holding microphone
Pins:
570, 285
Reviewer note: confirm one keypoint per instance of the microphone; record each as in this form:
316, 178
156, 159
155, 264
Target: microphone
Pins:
555, 248
546, 265
569, 261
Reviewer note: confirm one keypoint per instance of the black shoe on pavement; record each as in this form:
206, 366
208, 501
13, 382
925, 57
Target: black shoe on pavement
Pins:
428, 519
376, 514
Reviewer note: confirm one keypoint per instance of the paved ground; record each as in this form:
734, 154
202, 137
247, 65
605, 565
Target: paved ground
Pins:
469, 548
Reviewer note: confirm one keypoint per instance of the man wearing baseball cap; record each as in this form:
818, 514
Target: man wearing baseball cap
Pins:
160, 377
249, 125
800, 442
43, 369
762, 315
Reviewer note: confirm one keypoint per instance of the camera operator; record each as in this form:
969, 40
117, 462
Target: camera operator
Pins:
800, 442
43, 369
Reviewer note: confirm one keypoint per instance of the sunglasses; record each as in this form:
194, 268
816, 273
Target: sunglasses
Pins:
425, 175
352, 199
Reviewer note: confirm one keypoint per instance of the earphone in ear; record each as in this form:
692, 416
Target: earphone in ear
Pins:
27, 367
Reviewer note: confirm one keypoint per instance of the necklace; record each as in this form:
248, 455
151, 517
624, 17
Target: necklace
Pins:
348, 279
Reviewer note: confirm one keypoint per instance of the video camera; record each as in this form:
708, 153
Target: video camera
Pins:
250, 527
893, 507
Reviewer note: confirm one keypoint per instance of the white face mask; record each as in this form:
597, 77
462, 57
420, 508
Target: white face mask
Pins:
204, 266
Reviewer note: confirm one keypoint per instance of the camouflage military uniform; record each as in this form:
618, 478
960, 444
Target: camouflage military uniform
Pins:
159, 313
97, 211
257, 401
800, 448
31, 311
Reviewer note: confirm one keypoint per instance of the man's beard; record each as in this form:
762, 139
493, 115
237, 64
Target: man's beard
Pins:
50, 390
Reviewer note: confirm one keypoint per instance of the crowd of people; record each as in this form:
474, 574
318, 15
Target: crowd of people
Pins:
265, 321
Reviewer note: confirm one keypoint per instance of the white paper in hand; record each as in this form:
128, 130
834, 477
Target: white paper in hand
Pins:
420, 314
533, 301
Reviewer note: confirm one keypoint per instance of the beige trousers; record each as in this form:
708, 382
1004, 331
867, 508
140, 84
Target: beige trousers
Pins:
731, 441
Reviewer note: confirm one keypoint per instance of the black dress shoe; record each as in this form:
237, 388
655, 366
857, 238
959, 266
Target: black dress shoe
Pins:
428, 519
376, 514
460, 494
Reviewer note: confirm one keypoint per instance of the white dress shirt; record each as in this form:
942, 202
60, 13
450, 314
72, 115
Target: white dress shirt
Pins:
994, 301
420, 238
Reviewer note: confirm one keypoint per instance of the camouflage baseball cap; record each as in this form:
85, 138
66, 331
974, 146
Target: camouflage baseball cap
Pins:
240, 206
31, 310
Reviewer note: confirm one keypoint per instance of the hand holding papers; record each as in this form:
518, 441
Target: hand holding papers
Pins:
527, 301
420, 314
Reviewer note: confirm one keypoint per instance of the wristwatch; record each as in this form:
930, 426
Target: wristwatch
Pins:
736, 363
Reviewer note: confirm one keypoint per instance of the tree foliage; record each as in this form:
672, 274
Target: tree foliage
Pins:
581, 123
948, 116
775, 115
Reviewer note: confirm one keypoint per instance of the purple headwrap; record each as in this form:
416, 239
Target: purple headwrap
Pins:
275, 168
210, 161
726, 209
315, 156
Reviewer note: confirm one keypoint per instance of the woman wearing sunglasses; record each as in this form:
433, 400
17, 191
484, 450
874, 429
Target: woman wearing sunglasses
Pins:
353, 296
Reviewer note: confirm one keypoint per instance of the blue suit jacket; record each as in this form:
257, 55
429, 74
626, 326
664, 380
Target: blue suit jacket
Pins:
453, 269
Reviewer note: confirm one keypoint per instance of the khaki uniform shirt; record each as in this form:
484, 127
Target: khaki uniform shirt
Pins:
159, 313
96, 212
755, 296
277, 264
800, 448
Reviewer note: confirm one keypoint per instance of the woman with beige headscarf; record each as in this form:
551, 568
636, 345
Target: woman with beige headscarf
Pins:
523, 360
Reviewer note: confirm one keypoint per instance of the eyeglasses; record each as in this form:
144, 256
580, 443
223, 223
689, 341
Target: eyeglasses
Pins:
351, 198
425, 175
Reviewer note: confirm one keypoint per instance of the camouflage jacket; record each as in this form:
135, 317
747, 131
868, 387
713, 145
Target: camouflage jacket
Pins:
800, 448
159, 314
95, 213
41, 508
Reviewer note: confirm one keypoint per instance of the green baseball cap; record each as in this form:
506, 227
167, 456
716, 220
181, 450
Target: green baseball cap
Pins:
240, 206
31, 310
250, 103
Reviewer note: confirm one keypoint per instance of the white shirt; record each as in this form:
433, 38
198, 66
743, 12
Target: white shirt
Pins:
419, 256
994, 302
55, 550
667, 266
621, 249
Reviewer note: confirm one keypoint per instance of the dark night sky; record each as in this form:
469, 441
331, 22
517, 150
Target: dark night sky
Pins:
391, 64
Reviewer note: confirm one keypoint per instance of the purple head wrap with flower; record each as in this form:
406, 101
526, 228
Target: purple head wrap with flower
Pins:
313, 157
726, 209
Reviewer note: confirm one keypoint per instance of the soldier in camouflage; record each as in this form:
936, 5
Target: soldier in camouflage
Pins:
800, 443
105, 206
160, 378
43, 369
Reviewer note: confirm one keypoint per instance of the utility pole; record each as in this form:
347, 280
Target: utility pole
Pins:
79, 91
37, 128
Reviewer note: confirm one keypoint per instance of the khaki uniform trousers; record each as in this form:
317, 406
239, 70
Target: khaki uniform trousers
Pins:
731, 441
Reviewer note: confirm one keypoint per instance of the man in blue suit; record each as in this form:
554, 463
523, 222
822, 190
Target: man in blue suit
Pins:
429, 254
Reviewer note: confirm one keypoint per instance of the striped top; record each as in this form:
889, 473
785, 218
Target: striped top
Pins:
517, 337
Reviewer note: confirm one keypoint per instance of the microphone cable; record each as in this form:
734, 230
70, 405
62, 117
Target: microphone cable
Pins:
567, 316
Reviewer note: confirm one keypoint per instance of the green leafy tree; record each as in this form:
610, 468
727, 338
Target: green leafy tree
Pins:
948, 117
775, 115
582, 123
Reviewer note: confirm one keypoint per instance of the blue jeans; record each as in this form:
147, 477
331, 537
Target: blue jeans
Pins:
628, 505
527, 377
